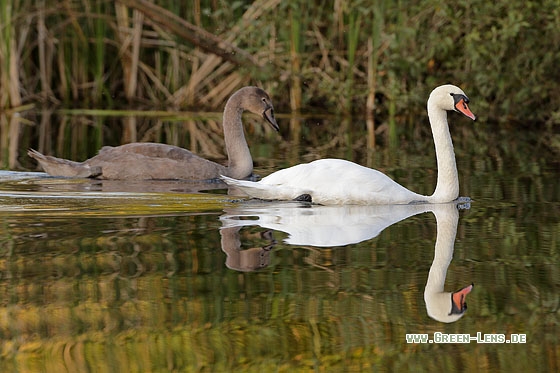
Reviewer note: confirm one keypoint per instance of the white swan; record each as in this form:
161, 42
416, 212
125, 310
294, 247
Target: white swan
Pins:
336, 181
149, 161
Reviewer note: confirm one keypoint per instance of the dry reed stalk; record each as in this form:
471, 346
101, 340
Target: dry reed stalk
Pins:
75, 139
187, 93
191, 128
325, 63
174, 66
130, 38
197, 36
154, 79
9, 94
15, 130
210, 142
130, 133
4, 77
61, 135
295, 46
172, 135
255, 11
193, 81
214, 67
4, 139
138, 21
150, 77
339, 7
370, 101
14, 87
72, 16
75, 69
219, 93
45, 129
153, 133
10, 57
191, 88
392, 111
295, 132
62, 75
45, 47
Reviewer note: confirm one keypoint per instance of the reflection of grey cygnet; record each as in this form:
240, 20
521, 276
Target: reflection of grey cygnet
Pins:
444, 306
245, 260
328, 226
146, 161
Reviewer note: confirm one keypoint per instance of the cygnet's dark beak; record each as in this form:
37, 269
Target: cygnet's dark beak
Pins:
268, 115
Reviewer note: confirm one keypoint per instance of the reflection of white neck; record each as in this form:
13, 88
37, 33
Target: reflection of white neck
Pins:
438, 302
328, 226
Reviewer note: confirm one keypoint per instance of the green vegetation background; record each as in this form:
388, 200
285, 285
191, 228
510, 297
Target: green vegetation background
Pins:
375, 57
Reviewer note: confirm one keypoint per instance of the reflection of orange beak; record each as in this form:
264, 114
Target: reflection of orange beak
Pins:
462, 107
459, 298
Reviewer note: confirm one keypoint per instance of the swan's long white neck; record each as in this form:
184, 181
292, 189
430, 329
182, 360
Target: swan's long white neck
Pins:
447, 187
240, 162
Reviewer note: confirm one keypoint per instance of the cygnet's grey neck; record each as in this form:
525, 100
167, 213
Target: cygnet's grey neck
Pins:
240, 163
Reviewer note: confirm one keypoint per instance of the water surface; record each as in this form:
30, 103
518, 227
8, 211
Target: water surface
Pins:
109, 276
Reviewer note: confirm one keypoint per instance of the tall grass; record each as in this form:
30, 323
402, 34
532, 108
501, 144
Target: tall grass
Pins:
378, 59
9, 55
88, 53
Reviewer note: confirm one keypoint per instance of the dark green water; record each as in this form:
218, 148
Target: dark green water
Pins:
113, 277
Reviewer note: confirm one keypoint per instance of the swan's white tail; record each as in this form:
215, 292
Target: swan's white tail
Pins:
265, 191
250, 188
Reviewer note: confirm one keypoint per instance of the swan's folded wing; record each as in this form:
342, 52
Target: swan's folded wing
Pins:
264, 191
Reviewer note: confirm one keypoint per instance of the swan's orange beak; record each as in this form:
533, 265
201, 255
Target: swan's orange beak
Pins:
459, 300
462, 107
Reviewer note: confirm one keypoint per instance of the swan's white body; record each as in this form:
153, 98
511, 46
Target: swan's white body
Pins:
336, 181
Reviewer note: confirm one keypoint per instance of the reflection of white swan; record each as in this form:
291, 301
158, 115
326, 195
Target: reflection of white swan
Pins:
321, 226
337, 182
327, 226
